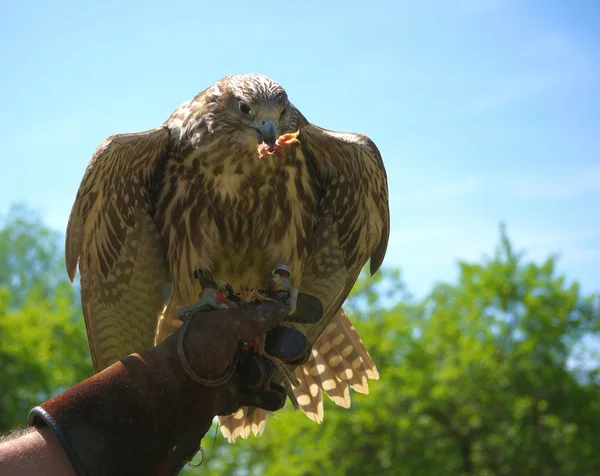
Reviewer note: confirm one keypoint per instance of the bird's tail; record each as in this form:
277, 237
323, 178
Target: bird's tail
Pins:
339, 361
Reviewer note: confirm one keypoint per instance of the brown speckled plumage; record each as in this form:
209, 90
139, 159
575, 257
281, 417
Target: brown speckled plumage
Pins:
192, 194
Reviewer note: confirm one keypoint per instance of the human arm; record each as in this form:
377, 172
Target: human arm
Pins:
147, 415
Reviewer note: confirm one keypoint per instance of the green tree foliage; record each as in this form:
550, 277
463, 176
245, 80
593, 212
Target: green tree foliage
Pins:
477, 378
43, 346
30, 257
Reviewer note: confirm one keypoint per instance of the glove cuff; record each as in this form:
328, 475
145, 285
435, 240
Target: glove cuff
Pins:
142, 415
39, 417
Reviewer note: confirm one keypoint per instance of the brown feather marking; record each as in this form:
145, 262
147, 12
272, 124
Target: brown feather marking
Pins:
120, 256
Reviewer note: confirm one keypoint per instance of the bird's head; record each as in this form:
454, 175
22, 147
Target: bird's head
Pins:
258, 105
242, 112
250, 109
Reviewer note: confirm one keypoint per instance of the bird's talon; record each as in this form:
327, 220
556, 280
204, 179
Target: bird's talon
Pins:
281, 283
210, 299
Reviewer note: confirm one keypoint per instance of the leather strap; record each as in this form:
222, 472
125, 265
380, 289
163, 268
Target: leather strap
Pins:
38, 417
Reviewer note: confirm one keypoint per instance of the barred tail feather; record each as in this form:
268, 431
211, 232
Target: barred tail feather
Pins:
339, 361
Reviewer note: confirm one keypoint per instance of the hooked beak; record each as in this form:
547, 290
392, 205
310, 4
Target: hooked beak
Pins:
267, 131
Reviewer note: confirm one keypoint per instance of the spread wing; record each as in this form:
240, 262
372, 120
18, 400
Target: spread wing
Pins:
125, 283
354, 220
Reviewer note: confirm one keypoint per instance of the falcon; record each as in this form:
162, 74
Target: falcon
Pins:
235, 185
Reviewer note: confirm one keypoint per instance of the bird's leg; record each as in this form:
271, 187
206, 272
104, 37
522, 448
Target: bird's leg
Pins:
215, 295
281, 283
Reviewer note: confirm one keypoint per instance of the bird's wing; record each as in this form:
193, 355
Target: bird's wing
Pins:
353, 226
125, 283
354, 221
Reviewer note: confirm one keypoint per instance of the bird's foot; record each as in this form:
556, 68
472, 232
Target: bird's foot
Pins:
247, 295
280, 283
211, 298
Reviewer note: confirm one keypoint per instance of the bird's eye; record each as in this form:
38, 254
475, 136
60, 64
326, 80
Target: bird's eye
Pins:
244, 108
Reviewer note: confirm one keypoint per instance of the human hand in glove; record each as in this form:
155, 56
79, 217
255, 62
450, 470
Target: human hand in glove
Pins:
147, 413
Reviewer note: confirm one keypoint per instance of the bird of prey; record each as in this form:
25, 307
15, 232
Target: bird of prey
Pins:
234, 184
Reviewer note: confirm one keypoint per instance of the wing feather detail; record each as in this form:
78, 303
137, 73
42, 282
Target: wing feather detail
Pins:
125, 283
354, 219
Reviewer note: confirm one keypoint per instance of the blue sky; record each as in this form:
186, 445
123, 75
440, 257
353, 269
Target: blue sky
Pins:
484, 111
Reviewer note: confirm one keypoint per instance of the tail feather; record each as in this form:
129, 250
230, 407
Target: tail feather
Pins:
334, 387
366, 360
258, 421
345, 353
308, 393
232, 426
339, 361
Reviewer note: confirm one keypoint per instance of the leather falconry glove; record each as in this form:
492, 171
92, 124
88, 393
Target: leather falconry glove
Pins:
147, 413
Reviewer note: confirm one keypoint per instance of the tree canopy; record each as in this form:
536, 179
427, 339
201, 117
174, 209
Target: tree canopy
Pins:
43, 345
